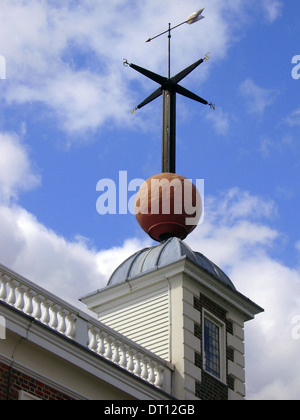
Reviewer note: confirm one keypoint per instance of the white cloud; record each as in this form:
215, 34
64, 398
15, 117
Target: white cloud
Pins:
68, 56
16, 173
272, 9
236, 235
68, 269
85, 95
220, 120
266, 146
257, 98
272, 351
293, 120
233, 230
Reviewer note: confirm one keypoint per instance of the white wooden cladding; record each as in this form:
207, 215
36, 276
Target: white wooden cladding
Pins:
146, 321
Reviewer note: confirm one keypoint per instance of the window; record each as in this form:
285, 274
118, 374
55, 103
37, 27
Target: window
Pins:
213, 347
25, 396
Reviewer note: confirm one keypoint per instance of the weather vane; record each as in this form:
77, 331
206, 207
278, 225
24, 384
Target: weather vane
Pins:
168, 88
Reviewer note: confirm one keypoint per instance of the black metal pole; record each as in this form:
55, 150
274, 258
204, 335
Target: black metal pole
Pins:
169, 54
169, 131
169, 120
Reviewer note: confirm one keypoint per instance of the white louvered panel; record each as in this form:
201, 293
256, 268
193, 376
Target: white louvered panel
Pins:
128, 322
154, 309
144, 320
140, 302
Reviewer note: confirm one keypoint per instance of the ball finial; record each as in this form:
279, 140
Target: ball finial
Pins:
168, 205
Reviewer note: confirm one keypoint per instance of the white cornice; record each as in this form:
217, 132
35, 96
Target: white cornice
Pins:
152, 279
102, 299
234, 298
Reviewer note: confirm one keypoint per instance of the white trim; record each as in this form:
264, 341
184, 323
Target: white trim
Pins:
25, 396
104, 297
234, 298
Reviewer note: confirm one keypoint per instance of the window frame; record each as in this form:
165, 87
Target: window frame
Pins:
222, 344
26, 396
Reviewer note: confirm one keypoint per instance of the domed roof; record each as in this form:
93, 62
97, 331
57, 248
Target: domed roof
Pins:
172, 250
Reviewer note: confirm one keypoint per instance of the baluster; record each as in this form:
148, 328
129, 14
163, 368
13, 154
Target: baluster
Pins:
29, 304
145, 373
37, 314
46, 315
123, 359
93, 345
152, 377
71, 330
130, 365
159, 376
108, 353
20, 301
116, 353
54, 319
138, 368
3, 291
62, 326
101, 344
12, 293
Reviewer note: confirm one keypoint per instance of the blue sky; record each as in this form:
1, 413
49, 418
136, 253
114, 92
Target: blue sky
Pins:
65, 123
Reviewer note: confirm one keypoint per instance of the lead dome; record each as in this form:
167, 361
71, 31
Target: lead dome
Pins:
170, 251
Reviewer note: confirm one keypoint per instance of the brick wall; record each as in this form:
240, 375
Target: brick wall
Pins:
12, 382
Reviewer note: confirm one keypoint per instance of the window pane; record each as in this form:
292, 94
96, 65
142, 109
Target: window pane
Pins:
212, 347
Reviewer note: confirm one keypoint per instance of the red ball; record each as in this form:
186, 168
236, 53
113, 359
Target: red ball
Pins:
168, 205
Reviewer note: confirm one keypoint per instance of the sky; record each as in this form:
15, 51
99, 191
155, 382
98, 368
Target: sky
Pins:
65, 124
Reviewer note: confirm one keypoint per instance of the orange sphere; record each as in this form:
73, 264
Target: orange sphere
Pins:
168, 205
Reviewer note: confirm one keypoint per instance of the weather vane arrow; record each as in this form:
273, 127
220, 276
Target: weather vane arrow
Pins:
169, 87
193, 18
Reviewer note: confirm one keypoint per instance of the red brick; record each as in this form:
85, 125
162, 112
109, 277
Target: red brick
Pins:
20, 381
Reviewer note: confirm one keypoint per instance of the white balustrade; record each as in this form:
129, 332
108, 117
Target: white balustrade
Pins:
59, 316
130, 357
33, 303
